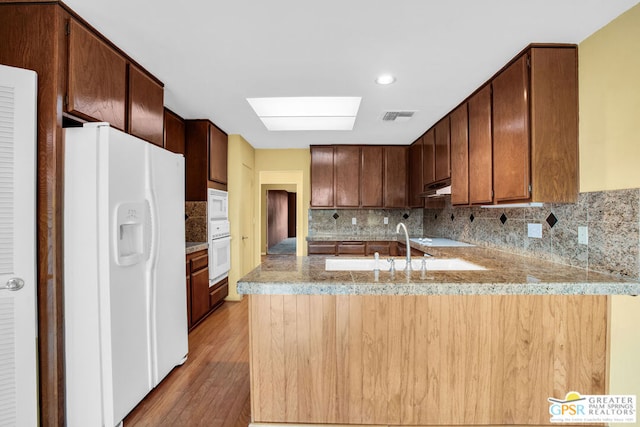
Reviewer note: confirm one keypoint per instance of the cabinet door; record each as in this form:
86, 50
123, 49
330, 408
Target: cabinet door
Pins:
459, 156
146, 106
416, 185
174, 132
480, 151
372, 177
199, 294
511, 132
97, 75
322, 176
196, 159
443, 138
395, 176
218, 145
347, 175
429, 157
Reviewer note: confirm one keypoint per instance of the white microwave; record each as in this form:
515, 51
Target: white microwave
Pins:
217, 204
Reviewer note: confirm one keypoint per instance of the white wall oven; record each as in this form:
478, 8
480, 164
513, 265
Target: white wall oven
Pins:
219, 236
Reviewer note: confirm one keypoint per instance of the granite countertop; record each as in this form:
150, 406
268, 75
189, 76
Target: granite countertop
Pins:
192, 247
506, 274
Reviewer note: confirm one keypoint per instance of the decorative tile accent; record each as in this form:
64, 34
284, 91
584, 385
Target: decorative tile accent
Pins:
471, 217
336, 216
503, 218
405, 216
452, 217
551, 220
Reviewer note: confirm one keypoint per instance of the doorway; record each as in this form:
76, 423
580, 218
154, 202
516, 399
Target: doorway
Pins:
281, 222
291, 181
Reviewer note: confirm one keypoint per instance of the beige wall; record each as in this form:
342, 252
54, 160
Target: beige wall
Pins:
242, 209
609, 73
609, 66
287, 167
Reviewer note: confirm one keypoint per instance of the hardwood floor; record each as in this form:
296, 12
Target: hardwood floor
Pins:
212, 387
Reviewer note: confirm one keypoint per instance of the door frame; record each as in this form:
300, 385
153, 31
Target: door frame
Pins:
282, 178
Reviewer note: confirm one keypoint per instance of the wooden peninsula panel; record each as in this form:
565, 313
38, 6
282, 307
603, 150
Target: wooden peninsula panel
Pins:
422, 360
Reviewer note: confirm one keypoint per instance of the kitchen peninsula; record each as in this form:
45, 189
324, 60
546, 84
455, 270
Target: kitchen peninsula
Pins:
425, 348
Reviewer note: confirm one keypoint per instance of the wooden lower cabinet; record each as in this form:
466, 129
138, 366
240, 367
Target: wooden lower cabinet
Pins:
368, 248
350, 248
201, 298
321, 248
422, 360
199, 294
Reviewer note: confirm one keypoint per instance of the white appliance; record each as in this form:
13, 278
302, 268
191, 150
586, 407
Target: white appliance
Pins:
217, 205
218, 233
124, 287
219, 251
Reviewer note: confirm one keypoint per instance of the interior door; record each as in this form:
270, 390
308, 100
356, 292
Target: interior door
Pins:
18, 385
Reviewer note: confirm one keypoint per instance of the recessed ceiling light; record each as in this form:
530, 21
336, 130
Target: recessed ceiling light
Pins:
307, 113
385, 79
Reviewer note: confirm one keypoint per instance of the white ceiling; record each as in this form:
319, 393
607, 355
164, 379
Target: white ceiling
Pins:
212, 54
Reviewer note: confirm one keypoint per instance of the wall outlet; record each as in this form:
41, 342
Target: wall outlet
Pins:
534, 230
583, 235
354, 221
386, 220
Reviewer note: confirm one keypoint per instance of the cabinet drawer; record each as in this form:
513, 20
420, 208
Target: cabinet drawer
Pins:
351, 248
322, 248
199, 262
381, 247
218, 293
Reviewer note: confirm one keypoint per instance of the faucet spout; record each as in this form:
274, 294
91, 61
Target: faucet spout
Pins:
406, 235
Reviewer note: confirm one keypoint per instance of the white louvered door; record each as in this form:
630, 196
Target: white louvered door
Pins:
18, 379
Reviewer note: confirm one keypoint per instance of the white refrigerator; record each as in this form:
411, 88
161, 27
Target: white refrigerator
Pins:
124, 265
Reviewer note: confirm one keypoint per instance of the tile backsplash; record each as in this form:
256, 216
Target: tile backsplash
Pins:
611, 217
369, 222
195, 225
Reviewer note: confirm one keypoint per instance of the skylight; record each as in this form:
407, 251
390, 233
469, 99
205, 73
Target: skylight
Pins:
307, 113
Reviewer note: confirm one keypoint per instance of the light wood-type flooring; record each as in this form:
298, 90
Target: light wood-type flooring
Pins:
212, 387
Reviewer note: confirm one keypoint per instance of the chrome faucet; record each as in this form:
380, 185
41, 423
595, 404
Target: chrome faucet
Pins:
406, 235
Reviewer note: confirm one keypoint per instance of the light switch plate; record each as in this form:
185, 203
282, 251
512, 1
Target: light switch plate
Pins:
534, 230
354, 221
386, 220
583, 235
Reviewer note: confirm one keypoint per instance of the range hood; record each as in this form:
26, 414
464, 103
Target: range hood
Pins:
438, 189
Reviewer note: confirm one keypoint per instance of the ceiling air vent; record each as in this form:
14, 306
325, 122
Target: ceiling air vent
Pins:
397, 116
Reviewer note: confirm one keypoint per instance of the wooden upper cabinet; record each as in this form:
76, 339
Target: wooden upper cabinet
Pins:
554, 124
395, 176
372, 176
322, 176
146, 106
218, 149
535, 127
480, 148
511, 132
416, 185
429, 157
97, 78
347, 175
443, 150
199, 145
459, 156
174, 132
